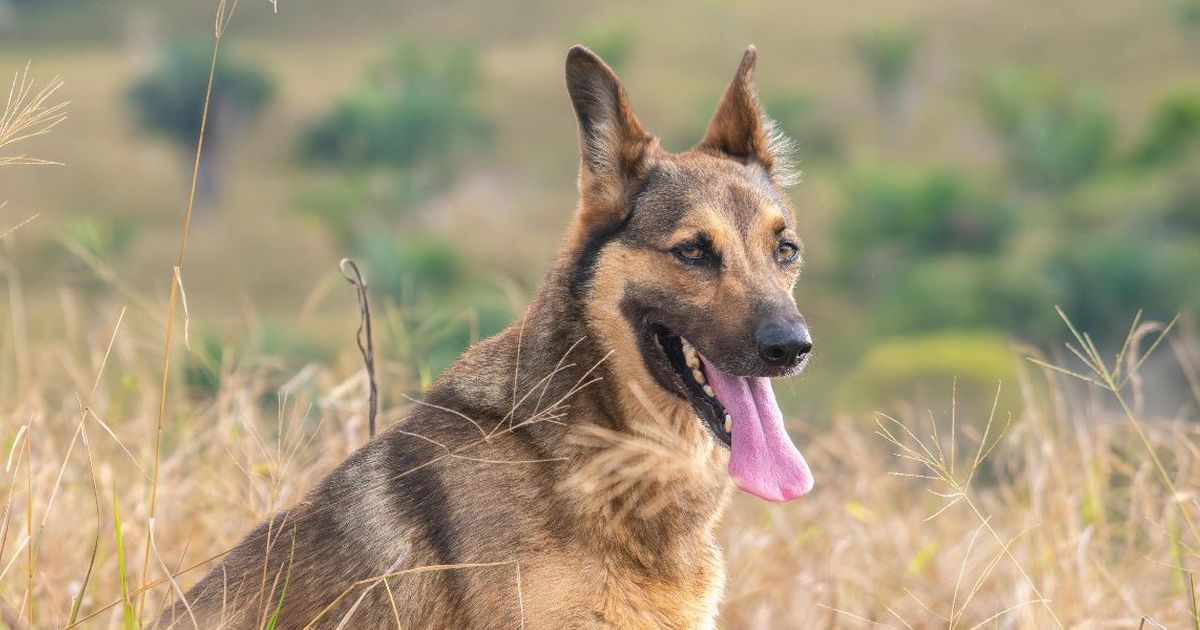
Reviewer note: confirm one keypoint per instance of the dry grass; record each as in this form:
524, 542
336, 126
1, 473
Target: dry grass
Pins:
28, 114
1054, 517
1069, 512
1055, 513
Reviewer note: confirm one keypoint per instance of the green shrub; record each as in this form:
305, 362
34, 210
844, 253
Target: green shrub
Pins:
104, 240
1054, 138
1101, 281
960, 291
1181, 212
1186, 13
338, 205
920, 370
86, 241
1174, 129
429, 335
202, 367
279, 339
170, 98
416, 108
908, 214
415, 269
888, 54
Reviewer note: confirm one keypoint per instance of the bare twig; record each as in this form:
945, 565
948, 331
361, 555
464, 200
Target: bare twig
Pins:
367, 347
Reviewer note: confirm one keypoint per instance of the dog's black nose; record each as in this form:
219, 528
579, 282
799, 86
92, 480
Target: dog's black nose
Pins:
782, 345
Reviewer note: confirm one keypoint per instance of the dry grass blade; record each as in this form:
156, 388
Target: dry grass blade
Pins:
174, 584
87, 576
1114, 380
858, 618
27, 221
344, 623
1192, 599
368, 582
27, 114
224, 15
931, 455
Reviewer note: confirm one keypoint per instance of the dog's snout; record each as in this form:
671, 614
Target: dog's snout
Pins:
782, 345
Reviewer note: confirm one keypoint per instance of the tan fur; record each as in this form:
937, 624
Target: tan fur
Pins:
550, 479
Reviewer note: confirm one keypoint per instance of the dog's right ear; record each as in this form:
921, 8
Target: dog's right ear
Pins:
613, 145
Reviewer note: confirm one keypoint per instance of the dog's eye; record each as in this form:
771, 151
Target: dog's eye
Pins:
787, 252
692, 254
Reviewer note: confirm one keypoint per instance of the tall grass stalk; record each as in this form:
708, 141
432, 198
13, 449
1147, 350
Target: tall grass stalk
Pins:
1114, 379
128, 613
939, 463
225, 11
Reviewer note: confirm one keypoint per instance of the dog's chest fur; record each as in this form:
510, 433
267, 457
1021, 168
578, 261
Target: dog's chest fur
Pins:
498, 503
603, 591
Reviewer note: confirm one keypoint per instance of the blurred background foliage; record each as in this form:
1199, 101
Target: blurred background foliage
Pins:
966, 168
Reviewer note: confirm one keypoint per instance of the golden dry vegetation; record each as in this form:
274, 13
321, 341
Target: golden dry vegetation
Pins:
130, 464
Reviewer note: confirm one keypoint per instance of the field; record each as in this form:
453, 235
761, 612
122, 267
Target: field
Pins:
175, 366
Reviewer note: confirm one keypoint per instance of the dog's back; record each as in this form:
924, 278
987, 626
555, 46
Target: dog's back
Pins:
462, 516
405, 505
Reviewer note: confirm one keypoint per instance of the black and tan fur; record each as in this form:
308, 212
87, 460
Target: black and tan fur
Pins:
498, 502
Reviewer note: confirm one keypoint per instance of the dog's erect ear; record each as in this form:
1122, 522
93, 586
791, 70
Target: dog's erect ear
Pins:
740, 129
612, 142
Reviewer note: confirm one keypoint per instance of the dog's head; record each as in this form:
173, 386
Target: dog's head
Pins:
685, 264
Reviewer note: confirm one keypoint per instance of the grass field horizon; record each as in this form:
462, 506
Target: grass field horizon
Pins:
1020, 483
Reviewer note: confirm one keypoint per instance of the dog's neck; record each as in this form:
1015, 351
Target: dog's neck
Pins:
617, 421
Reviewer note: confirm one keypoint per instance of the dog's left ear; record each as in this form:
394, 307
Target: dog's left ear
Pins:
739, 129
613, 144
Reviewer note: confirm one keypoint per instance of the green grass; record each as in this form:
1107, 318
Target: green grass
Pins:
128, 612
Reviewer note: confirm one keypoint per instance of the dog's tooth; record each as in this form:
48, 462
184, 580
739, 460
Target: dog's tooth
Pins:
728, 424
709, 391
692, 360
699, 376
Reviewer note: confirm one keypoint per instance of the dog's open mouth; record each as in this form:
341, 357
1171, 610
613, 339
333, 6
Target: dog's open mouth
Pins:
742, 414
691, 371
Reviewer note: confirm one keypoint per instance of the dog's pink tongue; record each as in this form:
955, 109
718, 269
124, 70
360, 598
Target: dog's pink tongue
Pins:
763, 461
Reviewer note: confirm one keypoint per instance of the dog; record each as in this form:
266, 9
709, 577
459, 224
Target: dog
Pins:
568, 472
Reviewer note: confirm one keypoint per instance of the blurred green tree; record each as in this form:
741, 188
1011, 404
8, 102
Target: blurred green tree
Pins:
416, 268
1054, 138
1102, 280
169, 100
203, 364
920, 213
417, 108
918, 371
1174, 129
102, 239
889, 53
1187, 15
394, 141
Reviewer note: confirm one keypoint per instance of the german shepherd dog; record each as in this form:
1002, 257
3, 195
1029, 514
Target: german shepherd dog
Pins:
567, 472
